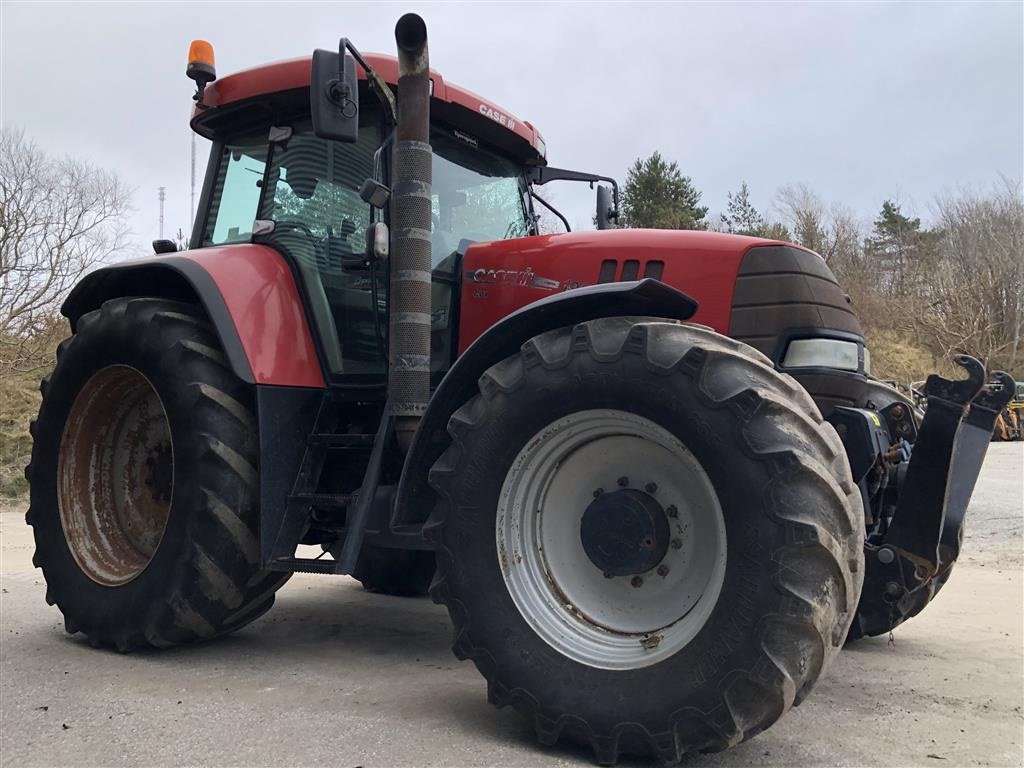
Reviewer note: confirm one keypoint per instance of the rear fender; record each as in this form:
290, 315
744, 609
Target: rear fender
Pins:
247, 291
646, 298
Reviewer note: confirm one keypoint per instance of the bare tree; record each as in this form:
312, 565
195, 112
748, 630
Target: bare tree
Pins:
59, 218
803, 212
831, 231
974, 301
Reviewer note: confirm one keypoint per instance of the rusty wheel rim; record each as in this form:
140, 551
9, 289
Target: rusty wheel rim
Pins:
115, 475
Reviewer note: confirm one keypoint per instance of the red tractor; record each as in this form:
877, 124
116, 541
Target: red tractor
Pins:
647, 472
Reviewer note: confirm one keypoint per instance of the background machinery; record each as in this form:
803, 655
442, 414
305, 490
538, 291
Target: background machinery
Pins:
1010, 423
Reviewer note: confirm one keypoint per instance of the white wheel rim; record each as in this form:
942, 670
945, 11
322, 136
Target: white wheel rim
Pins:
608, 623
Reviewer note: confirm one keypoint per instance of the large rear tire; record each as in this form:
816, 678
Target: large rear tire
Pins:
732, 620
143, 481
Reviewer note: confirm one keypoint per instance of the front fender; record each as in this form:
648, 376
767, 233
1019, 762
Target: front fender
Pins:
247, 291
645, 298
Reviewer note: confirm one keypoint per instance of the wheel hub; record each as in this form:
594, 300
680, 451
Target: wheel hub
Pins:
115, 475
625, 532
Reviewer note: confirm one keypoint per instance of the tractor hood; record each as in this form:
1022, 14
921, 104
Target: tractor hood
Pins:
502, 276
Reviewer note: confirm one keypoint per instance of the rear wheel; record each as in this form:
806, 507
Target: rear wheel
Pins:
144, 484
647, 539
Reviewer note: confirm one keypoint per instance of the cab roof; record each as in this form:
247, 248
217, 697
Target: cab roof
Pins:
294, 74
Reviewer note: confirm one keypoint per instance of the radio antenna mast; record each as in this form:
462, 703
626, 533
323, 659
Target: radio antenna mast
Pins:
161, 194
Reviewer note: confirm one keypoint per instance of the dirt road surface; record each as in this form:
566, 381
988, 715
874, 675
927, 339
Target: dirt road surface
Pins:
336, 676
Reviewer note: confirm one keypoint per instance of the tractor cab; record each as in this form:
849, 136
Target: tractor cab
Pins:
282, 173
272, 179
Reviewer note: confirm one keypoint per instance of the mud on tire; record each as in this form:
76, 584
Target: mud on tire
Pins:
793, 565
202, 578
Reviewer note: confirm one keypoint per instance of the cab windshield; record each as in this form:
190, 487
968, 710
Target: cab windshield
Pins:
310, 190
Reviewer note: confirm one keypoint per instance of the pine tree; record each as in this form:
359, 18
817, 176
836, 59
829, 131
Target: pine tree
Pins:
741, 217
897, 246
658, 196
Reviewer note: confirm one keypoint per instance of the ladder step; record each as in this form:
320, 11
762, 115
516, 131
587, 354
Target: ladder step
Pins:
341, 440
303, 565
323, 500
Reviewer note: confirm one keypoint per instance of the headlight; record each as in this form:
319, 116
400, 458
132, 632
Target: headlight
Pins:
867, 361
822, 353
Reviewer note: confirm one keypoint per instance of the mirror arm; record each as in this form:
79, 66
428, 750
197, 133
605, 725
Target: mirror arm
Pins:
387, 98
542, 174
551, 208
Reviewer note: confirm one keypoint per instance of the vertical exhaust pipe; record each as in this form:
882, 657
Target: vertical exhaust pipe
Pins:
409, 324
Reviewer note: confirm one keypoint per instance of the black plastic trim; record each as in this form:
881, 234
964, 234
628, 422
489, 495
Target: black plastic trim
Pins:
202, 212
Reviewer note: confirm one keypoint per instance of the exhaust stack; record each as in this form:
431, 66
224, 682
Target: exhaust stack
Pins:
409, 324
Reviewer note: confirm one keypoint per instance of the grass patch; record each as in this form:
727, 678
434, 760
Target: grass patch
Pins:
19, 403
893, 356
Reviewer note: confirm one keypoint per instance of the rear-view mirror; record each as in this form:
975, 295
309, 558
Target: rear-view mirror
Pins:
605, 208
334, 95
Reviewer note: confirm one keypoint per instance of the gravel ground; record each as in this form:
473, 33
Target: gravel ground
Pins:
333, 675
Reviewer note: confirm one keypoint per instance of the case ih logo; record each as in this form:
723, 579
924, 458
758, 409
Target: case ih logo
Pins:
523, 277
498, 117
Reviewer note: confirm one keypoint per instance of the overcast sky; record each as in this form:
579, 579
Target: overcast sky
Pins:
861, 101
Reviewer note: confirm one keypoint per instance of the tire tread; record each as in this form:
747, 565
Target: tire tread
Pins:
728, 374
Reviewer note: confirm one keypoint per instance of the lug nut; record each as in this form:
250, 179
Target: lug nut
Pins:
886, 555
636, 581
623, 481
598, 492
677, 544
663, 571
671, 511
893, 589
651, 487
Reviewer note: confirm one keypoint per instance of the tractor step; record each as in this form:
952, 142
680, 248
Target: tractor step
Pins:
323, 500
303, 565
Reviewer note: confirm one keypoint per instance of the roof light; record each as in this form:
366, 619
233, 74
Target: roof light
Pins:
200, 63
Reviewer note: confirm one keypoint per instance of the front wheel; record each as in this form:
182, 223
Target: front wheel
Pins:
647, 539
